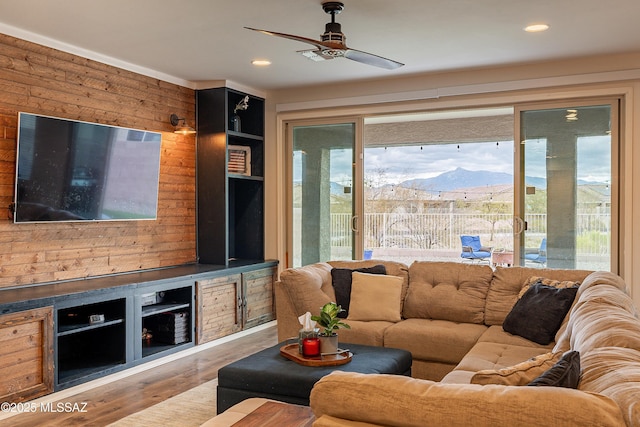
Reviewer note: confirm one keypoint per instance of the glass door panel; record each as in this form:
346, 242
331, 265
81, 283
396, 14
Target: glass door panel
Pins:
566, 181
434, 177
321, 195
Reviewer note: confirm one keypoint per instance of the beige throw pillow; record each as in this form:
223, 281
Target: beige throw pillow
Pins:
375, 297
520, 374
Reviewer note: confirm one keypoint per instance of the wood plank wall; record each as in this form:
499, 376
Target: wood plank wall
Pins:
46, 81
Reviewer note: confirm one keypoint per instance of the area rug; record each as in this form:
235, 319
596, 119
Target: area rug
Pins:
191, 408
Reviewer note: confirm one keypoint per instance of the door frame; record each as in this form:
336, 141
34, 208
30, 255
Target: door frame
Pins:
616, 104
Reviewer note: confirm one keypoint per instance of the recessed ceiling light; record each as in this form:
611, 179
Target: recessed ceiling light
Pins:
261, 62
536, 28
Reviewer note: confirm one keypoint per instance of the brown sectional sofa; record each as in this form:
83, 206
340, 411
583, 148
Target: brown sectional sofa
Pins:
452, 316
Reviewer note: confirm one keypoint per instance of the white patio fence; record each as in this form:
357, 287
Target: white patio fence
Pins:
437, 235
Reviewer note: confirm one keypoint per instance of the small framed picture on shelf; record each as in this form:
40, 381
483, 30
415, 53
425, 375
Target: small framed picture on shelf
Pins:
239, 160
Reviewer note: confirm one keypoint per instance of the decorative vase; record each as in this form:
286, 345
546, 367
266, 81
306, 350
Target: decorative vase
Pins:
328, 344
235, 123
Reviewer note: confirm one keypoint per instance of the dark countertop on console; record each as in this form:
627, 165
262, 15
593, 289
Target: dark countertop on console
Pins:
50, 290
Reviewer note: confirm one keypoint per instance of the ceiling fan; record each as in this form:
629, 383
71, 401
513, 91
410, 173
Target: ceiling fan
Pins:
333, 42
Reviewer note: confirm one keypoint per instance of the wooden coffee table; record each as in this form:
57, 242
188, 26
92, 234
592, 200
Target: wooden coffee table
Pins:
277, 414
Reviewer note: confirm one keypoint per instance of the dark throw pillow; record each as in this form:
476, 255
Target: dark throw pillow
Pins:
341, 281
538, 315
565, 373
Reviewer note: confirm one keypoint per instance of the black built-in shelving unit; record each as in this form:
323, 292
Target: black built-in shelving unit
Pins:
230, 205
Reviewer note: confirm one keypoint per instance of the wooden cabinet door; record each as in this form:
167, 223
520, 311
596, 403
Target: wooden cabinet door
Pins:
218, 307
258, 298
26, 354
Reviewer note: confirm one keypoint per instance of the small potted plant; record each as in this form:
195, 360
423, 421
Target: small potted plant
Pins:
329, 321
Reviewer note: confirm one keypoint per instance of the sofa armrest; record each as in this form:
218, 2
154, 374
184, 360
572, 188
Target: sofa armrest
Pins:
288, 324
393, 400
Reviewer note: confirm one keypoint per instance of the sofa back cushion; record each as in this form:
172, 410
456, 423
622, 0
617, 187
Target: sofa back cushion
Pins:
447, 291
308, 287
603, 316
604, 326
507, 283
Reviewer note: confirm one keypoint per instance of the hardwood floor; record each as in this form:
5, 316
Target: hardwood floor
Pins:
116, 400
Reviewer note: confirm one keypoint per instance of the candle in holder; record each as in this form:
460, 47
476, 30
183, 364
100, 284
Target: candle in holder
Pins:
311, 347
302, 334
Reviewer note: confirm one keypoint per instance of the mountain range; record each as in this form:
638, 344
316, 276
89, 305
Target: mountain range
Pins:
462, 178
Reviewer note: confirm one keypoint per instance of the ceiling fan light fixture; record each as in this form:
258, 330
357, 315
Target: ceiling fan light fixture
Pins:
332, 43
313, 55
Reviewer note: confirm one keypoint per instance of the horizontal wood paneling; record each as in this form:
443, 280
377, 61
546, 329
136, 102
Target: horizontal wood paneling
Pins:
46, 81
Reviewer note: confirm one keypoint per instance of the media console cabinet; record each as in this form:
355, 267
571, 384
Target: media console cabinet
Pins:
56, 335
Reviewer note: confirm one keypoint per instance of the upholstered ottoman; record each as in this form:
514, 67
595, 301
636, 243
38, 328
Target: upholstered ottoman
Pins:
269, 375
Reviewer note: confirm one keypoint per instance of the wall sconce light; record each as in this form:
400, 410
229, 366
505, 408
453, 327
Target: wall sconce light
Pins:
182, 129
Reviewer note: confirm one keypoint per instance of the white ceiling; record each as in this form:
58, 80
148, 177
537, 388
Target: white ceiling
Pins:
202, 40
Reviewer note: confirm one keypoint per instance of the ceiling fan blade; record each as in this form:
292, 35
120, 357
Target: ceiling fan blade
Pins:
371, 59
317, 43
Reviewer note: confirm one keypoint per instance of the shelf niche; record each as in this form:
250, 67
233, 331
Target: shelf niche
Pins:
86, 348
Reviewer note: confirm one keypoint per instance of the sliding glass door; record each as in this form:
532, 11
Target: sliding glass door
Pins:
568, 186
409, 186
321, 193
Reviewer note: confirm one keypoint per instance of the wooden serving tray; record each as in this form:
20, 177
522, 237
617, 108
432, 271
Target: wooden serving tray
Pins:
290, 351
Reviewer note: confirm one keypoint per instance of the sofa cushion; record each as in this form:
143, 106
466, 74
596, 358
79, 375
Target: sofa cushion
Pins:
603, 326
375, 297
603, 316
341, 281
495, 334
519, 374
614, 372
308, 287
447, 291
492, 356
538, 315
365, 333
507, 283
565, 373
434, 340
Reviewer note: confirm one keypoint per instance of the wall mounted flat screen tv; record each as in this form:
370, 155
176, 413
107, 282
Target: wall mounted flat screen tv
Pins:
70, 170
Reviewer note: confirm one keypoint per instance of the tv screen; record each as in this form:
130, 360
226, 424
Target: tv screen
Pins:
69, 170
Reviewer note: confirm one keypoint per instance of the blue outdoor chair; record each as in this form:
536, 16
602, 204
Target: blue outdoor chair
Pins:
472, 249
539, 257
